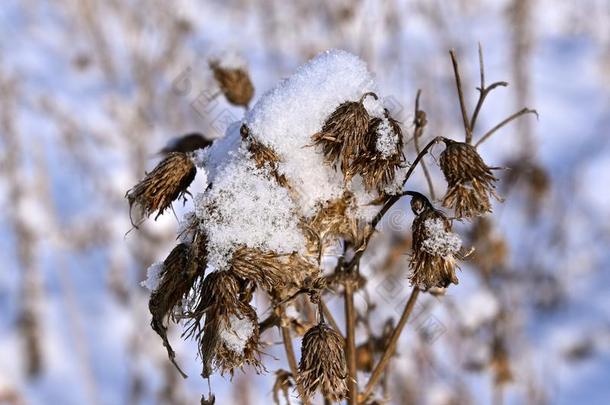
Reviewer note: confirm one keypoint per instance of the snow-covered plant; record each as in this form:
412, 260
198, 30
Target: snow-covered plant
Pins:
309, 171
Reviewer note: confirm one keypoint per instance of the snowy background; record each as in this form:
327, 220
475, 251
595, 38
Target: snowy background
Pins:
91, 90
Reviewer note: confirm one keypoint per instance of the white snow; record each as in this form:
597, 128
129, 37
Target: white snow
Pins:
387, 139
245, 206
236, 335
286, 117
439, 242
153, 276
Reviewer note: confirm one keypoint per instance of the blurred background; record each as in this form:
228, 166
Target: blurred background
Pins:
90, 91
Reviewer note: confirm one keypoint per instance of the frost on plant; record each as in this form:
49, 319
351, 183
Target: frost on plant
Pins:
236, 333
153, 276
308, 172
438, 241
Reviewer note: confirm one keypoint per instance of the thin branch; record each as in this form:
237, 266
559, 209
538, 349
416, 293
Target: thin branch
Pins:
292, 361
483, 91
391, 348
393, 199
420, 122
390, 202
350, 330
458, 83
481, 68
329, 316
503, 123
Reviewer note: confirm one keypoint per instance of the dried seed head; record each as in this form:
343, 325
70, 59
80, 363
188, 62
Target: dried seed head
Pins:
234, 83
229, 337
178, 275
279, 275
263, 155
186, 143
230, 342
332, 222
434, 249
323, 363
167, 182
383, 156
470, 182
343, 135
219, 292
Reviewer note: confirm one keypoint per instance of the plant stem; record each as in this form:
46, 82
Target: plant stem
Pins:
483, 91
391, 201
292, 361
391, 348
329, 316
350, 328
420, 122
503, 123
458, 84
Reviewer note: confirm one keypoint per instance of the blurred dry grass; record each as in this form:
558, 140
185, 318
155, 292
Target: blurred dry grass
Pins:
128, 56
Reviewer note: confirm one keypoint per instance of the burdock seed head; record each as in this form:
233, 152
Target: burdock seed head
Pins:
323, 363
178, 275
263, 155
470, 182
383, 155
234, 83
230, 342
435, 247
167, 182
229, 337
343, 135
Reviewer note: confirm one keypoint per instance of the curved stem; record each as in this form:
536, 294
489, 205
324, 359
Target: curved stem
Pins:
420, 121
329, 316
390, 202
391, 347
458, 84
503, 123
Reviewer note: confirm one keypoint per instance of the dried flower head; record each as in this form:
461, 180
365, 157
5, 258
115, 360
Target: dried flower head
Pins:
234, 83
470, 182
263, 155
186, 143
167, 182
178, 275
229, 337
332, 222
383, 156
279, 275
230, 342
323, 363
434, 250
344, 134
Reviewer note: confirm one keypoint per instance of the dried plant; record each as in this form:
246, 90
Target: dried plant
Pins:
234, 82
344, 133
435, 249
167, 182
275, 207
323, 363
470, 182
383, 156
